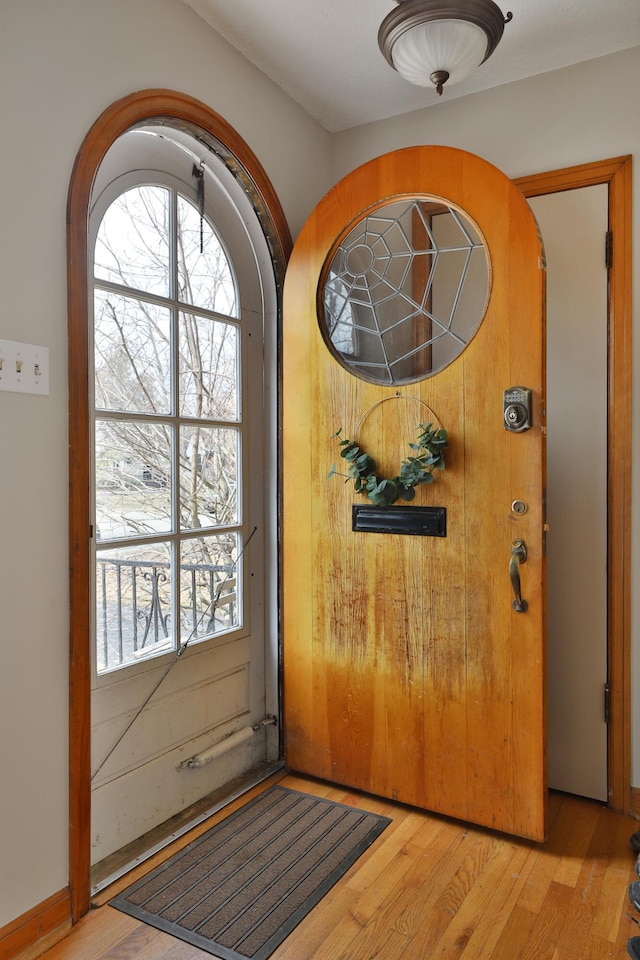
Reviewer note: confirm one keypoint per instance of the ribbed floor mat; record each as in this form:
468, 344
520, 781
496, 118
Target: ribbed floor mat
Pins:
242, 887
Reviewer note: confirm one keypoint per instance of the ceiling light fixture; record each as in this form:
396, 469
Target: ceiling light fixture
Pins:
435, 41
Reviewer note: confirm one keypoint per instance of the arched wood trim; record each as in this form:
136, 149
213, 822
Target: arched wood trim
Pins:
179, 110
615, 172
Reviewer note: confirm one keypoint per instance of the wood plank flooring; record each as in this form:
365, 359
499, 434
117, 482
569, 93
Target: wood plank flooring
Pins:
433, 887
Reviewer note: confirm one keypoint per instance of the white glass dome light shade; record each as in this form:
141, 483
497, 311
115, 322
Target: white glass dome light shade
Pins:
456, 47
440, 41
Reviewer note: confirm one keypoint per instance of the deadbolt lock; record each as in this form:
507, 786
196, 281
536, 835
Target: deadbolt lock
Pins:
519, 507
517, 409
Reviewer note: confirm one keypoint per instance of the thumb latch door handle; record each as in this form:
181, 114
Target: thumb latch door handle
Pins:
518, 556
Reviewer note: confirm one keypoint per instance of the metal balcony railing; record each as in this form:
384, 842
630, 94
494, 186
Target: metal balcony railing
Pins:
133, 607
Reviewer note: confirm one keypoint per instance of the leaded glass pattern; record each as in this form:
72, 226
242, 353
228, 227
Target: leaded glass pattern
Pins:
405, 290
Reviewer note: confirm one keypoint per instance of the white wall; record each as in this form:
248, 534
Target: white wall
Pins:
581, 114
61, 65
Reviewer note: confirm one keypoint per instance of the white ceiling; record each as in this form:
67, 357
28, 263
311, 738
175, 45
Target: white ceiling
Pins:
325, 55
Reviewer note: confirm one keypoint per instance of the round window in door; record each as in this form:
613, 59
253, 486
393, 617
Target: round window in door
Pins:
404, 289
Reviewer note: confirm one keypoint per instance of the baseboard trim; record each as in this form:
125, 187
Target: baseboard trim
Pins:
635, 802
29, 935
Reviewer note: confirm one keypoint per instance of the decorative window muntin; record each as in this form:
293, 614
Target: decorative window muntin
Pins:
168, 428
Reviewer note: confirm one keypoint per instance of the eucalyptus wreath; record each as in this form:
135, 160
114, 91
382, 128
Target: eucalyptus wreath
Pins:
416, 469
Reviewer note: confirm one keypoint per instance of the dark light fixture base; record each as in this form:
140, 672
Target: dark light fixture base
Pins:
438, 79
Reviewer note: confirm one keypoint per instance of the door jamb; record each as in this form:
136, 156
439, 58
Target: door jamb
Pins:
616, 173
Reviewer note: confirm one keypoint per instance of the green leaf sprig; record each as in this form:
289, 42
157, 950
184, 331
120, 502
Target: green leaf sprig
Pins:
416, 469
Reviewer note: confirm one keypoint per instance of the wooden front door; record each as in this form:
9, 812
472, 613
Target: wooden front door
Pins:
407, 671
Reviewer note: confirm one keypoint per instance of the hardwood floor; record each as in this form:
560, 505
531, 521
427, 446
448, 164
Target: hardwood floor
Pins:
432, 887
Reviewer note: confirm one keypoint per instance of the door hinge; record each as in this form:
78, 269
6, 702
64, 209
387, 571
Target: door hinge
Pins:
607, 702
608, 249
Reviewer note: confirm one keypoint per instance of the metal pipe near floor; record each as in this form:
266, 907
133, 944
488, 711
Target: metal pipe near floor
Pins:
222, 746
226, 744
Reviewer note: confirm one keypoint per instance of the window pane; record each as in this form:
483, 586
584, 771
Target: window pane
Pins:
133, 479
205, 278
208, 368
160, 469
132, 246
209, 586
208, 476
132, 354
133, 605
405, 290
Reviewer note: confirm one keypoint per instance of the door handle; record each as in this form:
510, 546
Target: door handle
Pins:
518, 556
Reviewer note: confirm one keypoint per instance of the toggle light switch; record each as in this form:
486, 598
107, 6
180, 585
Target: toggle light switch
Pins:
24, 367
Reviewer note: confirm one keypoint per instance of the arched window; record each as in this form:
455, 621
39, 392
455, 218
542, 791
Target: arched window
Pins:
173, 470
169, 345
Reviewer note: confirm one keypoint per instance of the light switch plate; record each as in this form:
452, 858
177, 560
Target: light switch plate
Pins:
24, 367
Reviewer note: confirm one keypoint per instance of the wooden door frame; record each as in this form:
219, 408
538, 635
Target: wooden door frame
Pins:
617, 174
234, 151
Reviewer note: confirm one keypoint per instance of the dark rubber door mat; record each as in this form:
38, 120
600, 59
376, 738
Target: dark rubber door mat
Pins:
240, 889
